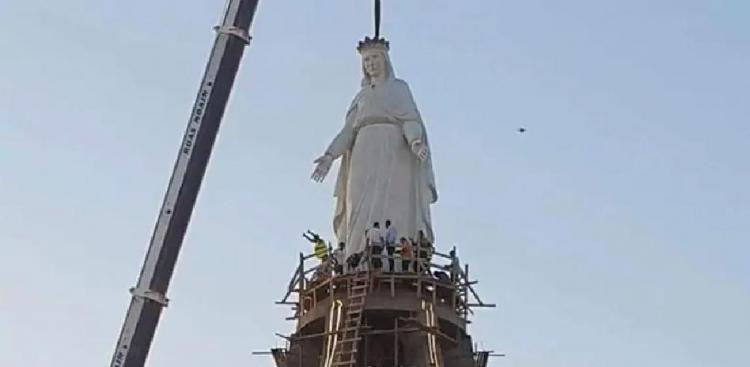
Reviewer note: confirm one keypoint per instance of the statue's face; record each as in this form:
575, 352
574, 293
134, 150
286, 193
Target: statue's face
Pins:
374, 63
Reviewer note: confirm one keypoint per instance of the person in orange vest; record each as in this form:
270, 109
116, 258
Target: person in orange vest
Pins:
407, 252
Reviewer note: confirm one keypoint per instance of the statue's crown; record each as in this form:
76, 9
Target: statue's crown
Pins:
377, 43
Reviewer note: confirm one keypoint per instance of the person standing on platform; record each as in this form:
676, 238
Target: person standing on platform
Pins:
338, 257
375, 240
320, 250
425, 253
455, 267
407, 252
390, 243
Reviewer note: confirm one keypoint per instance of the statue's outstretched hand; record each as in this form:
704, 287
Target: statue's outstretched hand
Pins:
420, 150
323, 165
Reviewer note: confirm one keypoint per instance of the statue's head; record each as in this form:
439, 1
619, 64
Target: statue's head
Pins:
375, 61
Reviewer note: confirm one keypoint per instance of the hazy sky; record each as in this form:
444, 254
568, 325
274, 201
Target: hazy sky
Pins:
615, 232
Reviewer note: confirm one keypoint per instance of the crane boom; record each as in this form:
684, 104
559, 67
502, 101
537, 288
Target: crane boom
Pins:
149, 295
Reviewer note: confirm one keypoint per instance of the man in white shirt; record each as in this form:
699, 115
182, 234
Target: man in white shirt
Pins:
375, 238
455, 267
390, 242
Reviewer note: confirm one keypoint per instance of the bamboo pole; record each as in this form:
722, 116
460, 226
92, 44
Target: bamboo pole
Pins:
466, 294
395, 342
301, 285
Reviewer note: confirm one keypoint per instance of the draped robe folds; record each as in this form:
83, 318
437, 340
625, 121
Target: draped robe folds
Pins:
380, 178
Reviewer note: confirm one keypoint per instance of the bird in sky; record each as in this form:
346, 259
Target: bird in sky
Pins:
521, 130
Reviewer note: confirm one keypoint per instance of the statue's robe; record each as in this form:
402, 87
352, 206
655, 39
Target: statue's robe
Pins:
380, 178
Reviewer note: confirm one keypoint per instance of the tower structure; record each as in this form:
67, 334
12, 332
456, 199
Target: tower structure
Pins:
417, 316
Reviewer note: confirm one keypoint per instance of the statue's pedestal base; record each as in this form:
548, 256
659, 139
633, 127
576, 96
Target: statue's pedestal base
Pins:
407, 319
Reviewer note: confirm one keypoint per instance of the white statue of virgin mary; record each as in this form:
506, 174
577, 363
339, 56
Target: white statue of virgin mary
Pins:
386, 168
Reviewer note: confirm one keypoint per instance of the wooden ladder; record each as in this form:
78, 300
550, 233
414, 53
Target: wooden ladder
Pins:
345, 354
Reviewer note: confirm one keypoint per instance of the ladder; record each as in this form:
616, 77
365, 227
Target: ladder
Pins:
345, 354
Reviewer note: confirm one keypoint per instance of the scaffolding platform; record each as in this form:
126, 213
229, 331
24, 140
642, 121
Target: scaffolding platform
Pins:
382, 318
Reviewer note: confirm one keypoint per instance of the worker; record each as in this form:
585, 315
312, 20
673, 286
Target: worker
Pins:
455, 267
324, 269
442, 277
338, 257
425, 253
390, 243
443, 293
375, 241
320, 250
407, 252
353, 262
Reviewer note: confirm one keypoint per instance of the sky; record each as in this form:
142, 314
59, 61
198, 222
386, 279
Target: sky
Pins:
614, 232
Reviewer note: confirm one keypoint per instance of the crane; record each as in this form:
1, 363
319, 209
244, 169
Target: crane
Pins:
149, 295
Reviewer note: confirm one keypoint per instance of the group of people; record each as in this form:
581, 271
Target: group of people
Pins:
384, 243
381, 243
